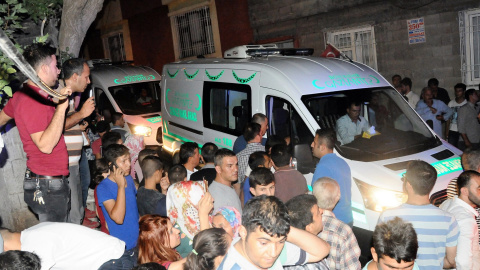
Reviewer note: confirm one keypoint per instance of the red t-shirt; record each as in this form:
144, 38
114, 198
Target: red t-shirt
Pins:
33, 114
96, 146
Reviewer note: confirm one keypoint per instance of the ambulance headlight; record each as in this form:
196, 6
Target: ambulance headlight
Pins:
142, 130
379, 199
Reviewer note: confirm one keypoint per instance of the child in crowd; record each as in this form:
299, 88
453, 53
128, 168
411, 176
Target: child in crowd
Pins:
138, 165
157, 242
148, 196
258, 159
117, 196
102, 128
209, 249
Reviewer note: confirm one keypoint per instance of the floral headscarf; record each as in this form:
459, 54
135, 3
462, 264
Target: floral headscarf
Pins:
182, 205
232, 215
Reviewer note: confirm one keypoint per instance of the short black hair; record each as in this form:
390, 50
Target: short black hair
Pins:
354, 102
299, 210
113, 151
460, 85
110, 138
19, 260
261, 176
421, 176
251, 131
267, 213
145, 153
73, 66
280, 155
395, 76
396, 239
406, 81
468, 93
273, 140
187, 150
327, 137
150, 165
222, 153
208, 152
103, 126
101, 166
257, 159
176, 174
471, 158
116, 116
149, 266
432, 82
37, 53
464, 178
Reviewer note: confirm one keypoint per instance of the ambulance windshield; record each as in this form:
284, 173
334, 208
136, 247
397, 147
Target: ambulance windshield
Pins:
137, 98
385, 127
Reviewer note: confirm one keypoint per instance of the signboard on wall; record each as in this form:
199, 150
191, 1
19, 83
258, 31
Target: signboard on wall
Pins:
416, 31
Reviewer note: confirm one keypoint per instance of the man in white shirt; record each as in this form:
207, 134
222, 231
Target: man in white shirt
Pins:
408, 94
462, 208
189, 157
351, 125
453, 135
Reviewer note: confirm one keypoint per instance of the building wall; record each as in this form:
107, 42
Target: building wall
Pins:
234, 23
308, 21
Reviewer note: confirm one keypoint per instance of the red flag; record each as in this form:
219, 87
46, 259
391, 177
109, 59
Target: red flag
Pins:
331, 52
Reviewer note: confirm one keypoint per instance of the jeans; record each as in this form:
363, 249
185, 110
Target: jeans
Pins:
84, 177
76, 211
126, 262
55, 194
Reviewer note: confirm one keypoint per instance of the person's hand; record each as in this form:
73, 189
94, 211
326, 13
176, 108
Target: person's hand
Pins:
205, 204
66, 91
164, 184
440, 117
118, 177
88, 107
434, 111
83, 125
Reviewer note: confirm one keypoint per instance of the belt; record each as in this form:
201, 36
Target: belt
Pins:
34, 175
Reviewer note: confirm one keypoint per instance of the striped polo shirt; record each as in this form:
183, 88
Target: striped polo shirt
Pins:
435, 228
73, 139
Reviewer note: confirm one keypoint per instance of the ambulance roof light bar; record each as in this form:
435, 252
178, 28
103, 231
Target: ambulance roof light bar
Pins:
248, 51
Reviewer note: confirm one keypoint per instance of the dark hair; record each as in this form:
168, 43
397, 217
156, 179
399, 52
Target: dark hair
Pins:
406, 81
37, 53
261, 176
101, 166
471, 158
432, 82
116, 116
258, 118
267, 213
396, 239
327, 137
273, 140
149, 266
299, 210
208, 245
19, 260
355, 103
257, 159
113, 151
103, 126
222, 153
145, 153
251, 131
468, 93
110, 138
208, 152
463, 179
460, 85
176, 174
395, 76
280, 155
187, 150
150, 165
421, 176
73, 66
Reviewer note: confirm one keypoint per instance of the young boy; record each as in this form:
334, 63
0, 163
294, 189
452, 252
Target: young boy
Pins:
117, 196
148, 195
262, 182
256, 160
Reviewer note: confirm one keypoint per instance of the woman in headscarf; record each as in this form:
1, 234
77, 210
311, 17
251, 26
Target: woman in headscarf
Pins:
227, 218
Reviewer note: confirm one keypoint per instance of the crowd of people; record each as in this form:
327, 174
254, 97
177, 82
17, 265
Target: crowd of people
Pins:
215, 208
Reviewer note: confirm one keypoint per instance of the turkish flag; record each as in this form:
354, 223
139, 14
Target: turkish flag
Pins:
331, 52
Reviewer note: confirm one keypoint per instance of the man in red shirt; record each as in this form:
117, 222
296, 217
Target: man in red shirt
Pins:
40, 124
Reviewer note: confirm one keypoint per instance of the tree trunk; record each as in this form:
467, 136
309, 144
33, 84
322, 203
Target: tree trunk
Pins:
77, 16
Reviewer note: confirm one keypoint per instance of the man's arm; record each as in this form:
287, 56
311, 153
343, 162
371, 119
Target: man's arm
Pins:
342, 132
466, 240
449, 260
47, 140
4, 118
87, 109
316, 248
461, 125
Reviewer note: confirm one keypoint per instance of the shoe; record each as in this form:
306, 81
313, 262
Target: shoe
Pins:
90, 224
90, 214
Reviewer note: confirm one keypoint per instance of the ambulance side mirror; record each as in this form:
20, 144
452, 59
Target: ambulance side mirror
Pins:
305, 161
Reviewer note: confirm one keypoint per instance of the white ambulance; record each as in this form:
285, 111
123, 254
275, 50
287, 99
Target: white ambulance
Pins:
133, 91
210, 100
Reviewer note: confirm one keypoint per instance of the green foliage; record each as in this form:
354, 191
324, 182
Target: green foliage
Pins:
41, 39
41, 9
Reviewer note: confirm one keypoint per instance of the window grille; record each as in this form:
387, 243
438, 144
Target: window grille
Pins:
469, 23
194, 32
357, 43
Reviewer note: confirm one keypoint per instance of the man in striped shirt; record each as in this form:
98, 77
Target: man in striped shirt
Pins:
437, 230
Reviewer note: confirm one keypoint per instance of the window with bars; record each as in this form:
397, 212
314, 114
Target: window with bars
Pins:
469, 22
194, 32
356, 43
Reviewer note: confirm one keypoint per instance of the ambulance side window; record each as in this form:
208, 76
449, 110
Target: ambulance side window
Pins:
226, 107
104, 106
